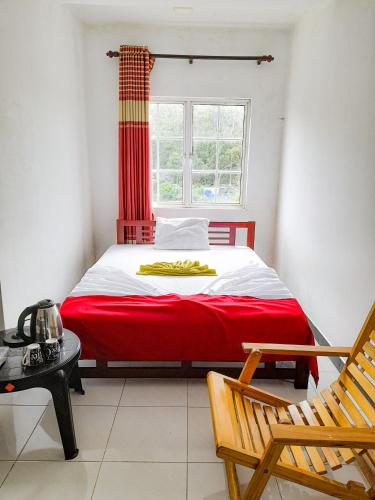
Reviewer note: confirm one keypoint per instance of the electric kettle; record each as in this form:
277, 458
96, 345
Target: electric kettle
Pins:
45, 322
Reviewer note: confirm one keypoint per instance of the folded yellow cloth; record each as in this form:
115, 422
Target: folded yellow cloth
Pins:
179, 268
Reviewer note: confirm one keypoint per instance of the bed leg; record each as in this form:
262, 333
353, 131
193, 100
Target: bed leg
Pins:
101, 369
186, 368
302, 374
271, 366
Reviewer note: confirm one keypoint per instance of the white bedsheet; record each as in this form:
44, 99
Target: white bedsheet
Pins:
249, 281
240, 272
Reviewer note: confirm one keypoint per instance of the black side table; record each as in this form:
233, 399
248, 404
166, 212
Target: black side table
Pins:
57, 377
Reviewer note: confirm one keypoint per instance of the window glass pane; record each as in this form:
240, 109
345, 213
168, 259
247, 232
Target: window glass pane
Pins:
170, 188
153, 110
154, 187
205, 120
171, 120
229, 188
203, 188
231, 120
204, 155
170, 154
229, 155
154, 162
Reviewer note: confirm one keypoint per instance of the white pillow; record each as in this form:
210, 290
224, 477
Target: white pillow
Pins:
181, 234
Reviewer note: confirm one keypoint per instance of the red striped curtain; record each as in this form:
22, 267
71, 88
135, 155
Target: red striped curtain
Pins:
134, 141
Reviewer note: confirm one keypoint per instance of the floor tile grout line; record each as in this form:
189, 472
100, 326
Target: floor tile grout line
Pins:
115, 406
106, 445
151, 406
278, 488
32, 432
117, 461
96, 480
7, 474
25, 404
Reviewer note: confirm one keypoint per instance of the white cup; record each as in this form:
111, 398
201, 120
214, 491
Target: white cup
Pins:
32, 355
51, 350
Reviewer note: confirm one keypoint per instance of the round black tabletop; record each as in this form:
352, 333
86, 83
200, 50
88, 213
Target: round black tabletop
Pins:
13, 371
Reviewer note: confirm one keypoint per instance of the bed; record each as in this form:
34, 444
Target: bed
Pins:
191, 325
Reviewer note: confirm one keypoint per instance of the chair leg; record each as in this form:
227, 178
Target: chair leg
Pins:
263, 472
232, 480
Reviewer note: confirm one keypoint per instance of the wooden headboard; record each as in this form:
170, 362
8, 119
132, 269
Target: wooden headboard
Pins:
219, 233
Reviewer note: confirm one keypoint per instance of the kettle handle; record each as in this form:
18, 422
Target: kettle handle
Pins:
21, 323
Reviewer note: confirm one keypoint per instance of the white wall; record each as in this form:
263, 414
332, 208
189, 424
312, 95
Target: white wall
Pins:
326, 224
45, 221
265, 84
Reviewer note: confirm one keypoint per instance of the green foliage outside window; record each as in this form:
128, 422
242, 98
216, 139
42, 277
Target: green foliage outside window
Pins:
170, 192
170, 154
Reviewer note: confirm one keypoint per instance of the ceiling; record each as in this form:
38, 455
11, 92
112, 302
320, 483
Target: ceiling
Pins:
214, 13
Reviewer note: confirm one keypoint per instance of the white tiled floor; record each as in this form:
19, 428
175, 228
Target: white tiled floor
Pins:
138, 440
92, 424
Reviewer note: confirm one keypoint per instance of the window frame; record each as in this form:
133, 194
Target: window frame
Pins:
187, 153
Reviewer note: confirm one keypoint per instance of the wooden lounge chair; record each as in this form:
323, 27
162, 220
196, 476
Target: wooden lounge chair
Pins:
299, 442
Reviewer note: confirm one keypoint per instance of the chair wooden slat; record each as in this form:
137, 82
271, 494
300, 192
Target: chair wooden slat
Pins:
328, 421
297, 451
337, 413
357, 395
232, 415
366, 365
313, 452
241, 416
284, 457
348, 404
371, 455
329, 453
369, 350
262, 424
254, 429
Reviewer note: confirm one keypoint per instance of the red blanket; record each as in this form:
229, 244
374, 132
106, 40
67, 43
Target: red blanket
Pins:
183, 328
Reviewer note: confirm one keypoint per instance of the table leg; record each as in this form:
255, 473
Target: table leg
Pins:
75, 380
59, 387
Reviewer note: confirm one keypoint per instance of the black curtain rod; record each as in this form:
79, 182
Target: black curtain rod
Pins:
258, 59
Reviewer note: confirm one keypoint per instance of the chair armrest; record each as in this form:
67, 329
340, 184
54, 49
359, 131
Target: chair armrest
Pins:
256, 393
297, 350
338, 437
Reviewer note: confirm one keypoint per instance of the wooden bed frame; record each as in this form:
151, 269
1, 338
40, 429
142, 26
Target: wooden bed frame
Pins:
220, 233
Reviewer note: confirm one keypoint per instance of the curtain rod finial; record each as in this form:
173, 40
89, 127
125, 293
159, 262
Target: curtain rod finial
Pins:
268, 58
112, 53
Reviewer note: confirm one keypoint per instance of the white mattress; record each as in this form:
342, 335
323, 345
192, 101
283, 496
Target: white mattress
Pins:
224, 259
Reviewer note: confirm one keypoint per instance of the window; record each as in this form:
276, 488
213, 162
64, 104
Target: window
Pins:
199, 151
